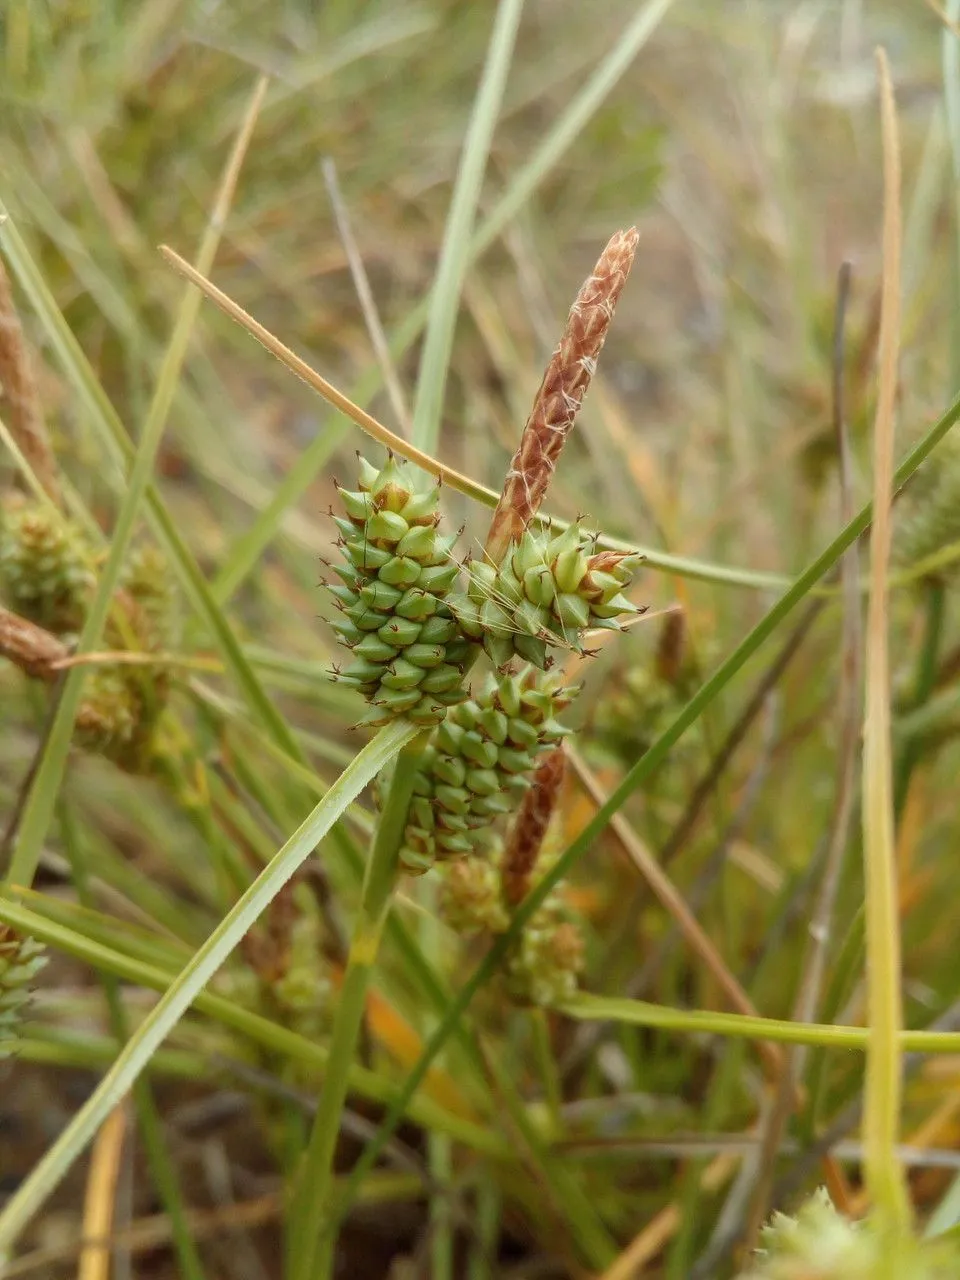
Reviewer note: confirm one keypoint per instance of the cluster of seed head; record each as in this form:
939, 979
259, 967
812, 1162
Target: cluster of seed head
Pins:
408, 652
546, 593
478, 763
820, 1244
21, 959
547, 961
45, 572
124, 701
928, 518
45, 576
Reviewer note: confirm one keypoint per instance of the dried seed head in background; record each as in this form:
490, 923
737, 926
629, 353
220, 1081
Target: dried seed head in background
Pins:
19, 397
561, 393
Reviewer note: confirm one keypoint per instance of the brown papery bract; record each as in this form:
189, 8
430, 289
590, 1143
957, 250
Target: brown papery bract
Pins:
530, 826
561, 393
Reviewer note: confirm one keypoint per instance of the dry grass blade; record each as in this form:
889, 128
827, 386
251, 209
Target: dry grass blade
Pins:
18, 390
672, 900
101, 1198
884, 1083
361, 283
561, 393
530, 826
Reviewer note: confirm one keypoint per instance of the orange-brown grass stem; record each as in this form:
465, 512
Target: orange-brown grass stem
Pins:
561, 393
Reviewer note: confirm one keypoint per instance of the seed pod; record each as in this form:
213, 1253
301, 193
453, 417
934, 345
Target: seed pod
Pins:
469, 898
21, 959
548, 959
407, 648
545, 594
45, 572
477, 765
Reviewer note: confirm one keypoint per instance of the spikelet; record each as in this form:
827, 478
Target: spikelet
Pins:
548, 959
545, 593
820, 1244
21, 959
928, 517
408, 652
147, 579
45, 572
477, 764
469, 899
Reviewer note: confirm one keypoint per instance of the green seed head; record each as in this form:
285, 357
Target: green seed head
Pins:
45, 572
398, 574
21, 959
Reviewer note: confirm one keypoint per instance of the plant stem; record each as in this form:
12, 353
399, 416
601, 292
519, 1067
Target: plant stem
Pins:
309, 1254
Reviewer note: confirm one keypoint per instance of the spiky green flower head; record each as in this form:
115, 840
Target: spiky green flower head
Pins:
45, 572
407, 647
545, 594
821, 1244
546, 963
477, 765
470, 900
21, 959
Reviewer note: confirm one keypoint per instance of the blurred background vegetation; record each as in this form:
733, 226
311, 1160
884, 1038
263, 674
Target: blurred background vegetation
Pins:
743, 140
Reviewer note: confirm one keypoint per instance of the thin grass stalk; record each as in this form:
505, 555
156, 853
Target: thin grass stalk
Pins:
461, 216
635, 777
41, 799
883, 1086
162, 1170
310, 1206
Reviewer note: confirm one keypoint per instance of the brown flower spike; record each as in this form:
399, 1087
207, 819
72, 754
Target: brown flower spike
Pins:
561, 393
530, 826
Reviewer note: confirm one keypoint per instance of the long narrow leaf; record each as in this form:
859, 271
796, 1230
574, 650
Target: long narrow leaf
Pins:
158, 1024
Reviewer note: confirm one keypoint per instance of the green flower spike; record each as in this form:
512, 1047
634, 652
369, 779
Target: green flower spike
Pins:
546, 593
469, 898
21, 959
407, 648
478, 763
45, 572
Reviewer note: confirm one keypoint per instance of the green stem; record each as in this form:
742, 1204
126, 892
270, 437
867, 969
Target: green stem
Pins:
310, 1216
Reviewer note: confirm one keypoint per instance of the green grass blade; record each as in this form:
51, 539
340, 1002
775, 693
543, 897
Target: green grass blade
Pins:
132, 1059
455, 251
42, 796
